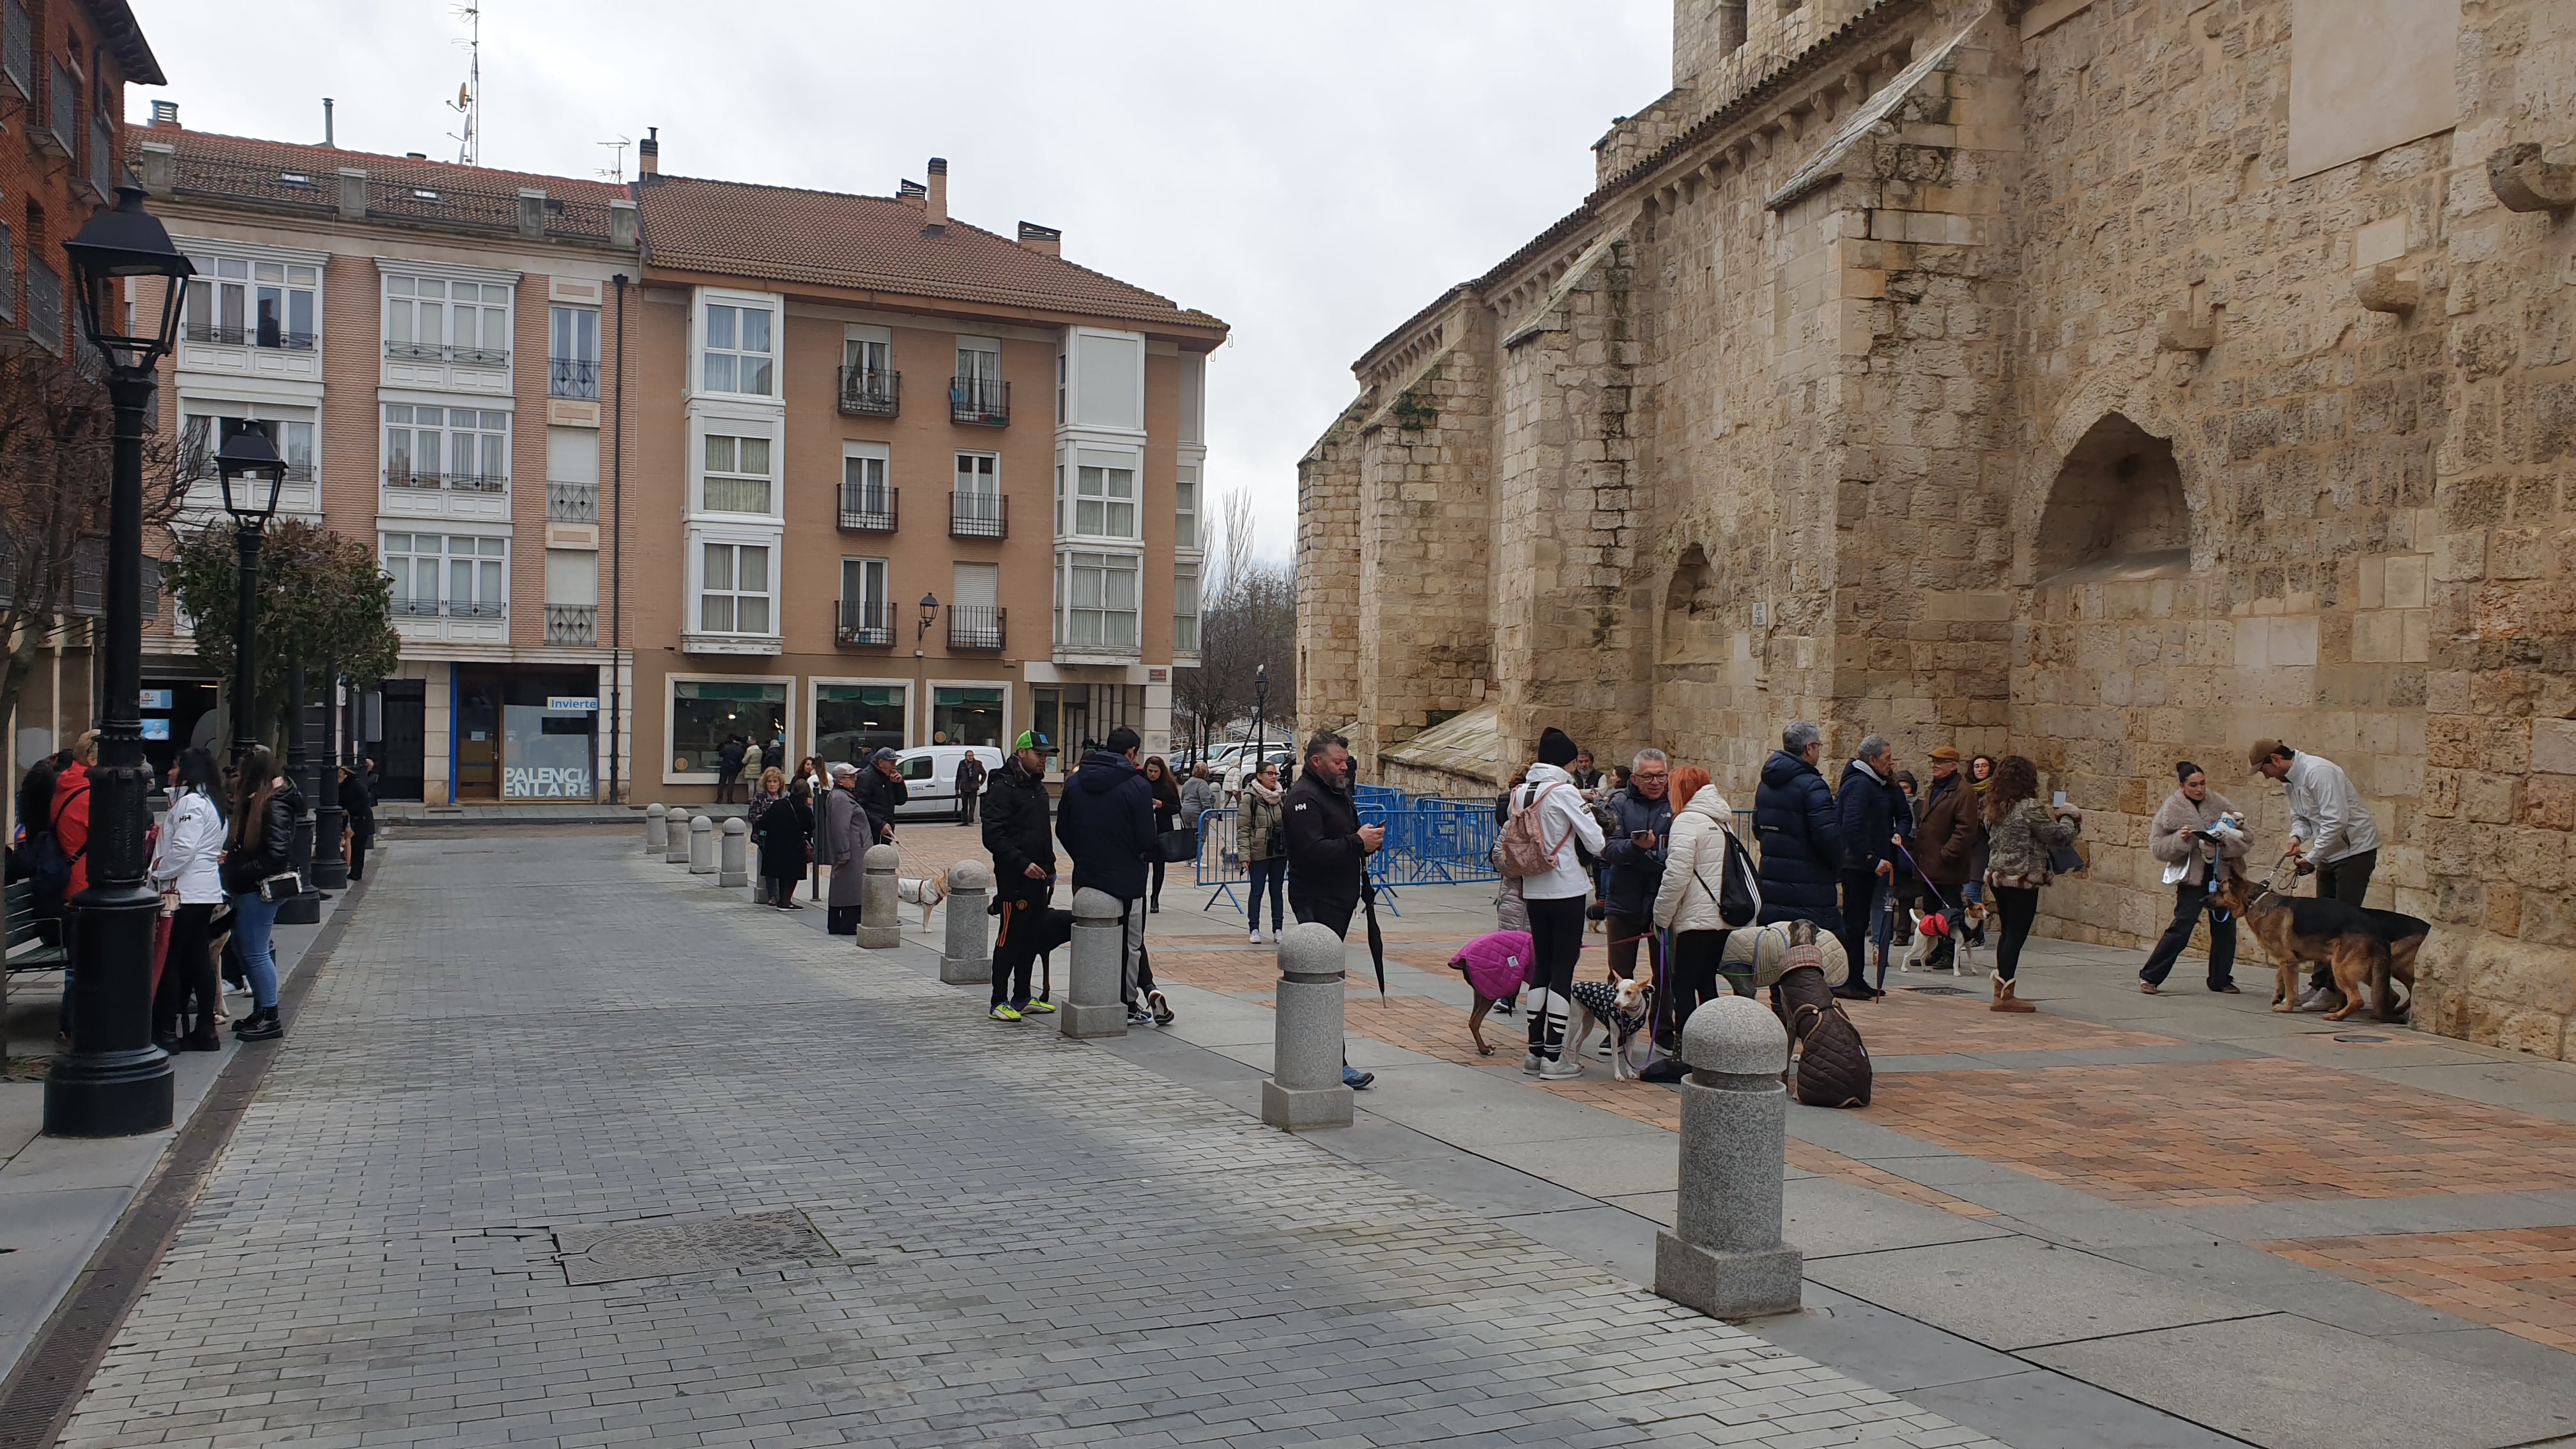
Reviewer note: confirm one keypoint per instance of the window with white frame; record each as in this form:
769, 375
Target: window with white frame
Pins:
866, 615
201, 435
737, 352
869, 358
463, 448
976, 512
432, 319
867, 501
1104, 502
469, 574
733, 588
737, 474
252, 303
1185, 508
1185, 608
572, 352
1100, 601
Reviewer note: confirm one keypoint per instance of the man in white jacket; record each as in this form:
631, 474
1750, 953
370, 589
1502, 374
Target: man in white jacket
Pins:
1556, 899
2330, 828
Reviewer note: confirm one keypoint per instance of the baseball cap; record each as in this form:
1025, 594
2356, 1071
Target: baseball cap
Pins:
844, 768
880, 757
1030, 740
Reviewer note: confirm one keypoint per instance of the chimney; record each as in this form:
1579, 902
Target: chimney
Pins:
912, 193
166, 113
327, 136
648, 154
1045, 239
939, 191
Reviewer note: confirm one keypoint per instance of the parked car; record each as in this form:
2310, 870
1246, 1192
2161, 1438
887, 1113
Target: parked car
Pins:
930, 776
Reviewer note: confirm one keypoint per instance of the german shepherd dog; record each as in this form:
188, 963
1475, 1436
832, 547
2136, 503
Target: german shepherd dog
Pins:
2360, 945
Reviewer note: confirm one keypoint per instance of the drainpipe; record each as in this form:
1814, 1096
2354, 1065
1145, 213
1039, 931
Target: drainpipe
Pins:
617, 549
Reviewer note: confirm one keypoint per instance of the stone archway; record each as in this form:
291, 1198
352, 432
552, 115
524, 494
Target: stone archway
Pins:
1693, 625
2116, 510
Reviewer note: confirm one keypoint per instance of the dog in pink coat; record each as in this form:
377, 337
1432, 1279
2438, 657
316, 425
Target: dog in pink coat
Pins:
1494, 965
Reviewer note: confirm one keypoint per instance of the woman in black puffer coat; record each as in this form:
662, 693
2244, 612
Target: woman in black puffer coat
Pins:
256, 850
1801, 852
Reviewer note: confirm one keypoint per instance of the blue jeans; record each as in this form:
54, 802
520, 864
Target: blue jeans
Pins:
1274, 871
253, 920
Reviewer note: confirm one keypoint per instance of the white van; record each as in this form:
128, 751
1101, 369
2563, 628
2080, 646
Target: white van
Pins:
930, 776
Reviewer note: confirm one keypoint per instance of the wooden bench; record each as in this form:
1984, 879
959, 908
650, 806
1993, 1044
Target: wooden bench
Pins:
35, 944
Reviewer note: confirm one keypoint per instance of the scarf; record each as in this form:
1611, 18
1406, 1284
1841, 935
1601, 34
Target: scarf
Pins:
1267, 795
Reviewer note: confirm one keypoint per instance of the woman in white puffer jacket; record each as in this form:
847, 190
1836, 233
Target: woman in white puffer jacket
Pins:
185, 865
1694, 877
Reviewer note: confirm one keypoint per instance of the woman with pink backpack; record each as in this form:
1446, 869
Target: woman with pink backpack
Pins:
1548, 844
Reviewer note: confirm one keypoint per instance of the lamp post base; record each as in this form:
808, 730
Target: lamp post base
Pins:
109, 1094
113, 1082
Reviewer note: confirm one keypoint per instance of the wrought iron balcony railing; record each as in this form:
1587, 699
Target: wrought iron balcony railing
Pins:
984, 402
979, 515
871, 392
572, 377
414, 478
869, 507
572, 623
441, 352
247, 336
974, 626
477, 609
572, 502
863, 623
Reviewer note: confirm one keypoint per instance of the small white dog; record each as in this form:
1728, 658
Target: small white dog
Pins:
1621, 1010
1918, 954
924, 893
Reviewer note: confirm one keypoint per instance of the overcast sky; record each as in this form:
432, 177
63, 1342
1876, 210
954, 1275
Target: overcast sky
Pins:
1313, 174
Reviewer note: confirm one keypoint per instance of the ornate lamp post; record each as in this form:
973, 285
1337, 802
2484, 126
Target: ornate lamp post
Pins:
114, 1082
252, 474
1260, 718
929, 616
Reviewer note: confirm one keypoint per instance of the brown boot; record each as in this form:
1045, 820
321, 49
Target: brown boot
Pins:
2006, 1001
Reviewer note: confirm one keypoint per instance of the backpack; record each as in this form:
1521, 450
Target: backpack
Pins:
47, 865
1739, 896
1523, 850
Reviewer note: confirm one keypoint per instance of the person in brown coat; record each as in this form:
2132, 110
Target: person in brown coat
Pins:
1947, 827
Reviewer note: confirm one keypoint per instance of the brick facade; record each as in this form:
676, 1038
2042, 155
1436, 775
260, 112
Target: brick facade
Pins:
1995, 376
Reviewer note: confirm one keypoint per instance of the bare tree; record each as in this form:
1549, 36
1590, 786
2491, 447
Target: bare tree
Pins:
1247, 620
57, 445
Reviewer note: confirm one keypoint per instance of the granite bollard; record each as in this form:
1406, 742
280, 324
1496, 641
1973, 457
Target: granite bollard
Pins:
1724, 1255
733, 862
1091, 1005
880, 921
677, 847
1305, 1088
702, 845
657, 829
968, 961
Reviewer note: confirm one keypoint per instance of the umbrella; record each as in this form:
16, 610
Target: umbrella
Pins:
1377, 940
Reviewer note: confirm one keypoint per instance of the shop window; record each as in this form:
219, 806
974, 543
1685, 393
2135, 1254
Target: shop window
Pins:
966, 715
850, 720
707, 712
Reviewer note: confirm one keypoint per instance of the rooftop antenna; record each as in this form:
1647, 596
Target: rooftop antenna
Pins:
469, 96
616, 173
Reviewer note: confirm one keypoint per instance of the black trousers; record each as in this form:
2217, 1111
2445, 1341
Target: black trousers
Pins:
1015, 948
189, 972
358, 855
1860, 892
1334, 916
1556, 944
1155, 894
842, 920
1696, 977
2019, 907
2346, 880
966, 806
2189, 902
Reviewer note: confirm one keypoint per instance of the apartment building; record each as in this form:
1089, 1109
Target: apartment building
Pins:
64, 66
442, 355
904, 480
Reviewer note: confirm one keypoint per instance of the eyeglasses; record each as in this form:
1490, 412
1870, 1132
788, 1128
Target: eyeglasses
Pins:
1654, 779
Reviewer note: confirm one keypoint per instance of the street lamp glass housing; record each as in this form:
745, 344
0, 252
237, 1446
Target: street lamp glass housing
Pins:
252, 474
929, 610
126, 241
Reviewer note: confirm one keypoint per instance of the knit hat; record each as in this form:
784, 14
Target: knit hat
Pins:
1556, 747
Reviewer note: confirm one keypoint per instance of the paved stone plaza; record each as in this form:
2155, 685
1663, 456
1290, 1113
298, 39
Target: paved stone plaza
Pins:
2172, 1222
1030, 1242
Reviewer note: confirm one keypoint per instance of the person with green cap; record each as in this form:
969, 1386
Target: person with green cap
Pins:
1023, 849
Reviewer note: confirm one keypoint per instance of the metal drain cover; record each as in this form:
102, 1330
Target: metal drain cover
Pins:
1940, 990
692, 1245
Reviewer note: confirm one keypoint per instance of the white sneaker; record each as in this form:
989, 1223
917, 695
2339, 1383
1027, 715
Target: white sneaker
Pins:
1256, 935
1532, 1062
2318, 998
1559, 1070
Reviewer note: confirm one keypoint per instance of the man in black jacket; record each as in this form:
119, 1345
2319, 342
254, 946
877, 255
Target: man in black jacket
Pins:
1023, 850
1643, 810
1328, 849
1866, 804
1106, 821
970, 783
881, 790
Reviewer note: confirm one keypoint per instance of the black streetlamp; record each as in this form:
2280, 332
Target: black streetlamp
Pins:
330, 818
929, 616
1260, 718
252, 475
114, 1082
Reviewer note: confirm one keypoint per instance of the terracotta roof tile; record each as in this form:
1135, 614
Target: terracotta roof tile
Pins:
400, 189
255, 151
874, 243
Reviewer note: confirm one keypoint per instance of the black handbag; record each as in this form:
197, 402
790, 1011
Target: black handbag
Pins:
1177, 845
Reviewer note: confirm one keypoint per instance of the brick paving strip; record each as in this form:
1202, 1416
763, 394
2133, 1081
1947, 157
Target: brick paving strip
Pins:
2521, 1280
1029, 1242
